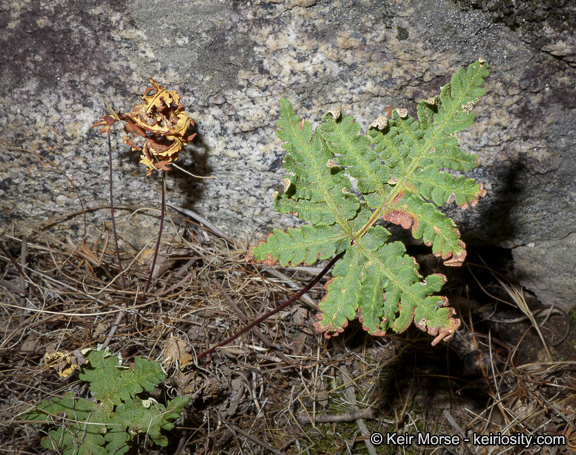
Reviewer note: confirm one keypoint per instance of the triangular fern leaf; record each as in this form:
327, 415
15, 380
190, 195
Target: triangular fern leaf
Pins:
402, 179
152, 418
87, 438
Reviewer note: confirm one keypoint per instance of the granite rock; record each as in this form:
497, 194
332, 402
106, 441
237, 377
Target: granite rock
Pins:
232, 60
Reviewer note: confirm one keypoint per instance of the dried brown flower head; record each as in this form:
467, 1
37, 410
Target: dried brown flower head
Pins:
159, 125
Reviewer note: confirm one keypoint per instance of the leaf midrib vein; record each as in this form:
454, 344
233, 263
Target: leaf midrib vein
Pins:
320, 176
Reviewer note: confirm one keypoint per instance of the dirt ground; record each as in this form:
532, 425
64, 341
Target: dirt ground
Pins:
281, 387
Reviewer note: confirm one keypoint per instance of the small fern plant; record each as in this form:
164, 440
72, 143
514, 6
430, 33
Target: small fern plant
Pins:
108, 423
400, 168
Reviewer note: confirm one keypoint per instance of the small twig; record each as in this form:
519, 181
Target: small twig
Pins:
245, 318
190, 173
23, 254
351, 395
453, 423
186, 266
112, 213
21, 271
12, 287
349, 416
293, 284
181, 444
253, 439
280, 308
179, 284
203, 221
162, 212
113, 329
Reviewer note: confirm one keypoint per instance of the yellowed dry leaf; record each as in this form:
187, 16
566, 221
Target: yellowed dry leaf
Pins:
64, 364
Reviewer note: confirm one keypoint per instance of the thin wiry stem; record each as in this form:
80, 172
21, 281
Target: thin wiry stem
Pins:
162, 211
280, 308
112, 214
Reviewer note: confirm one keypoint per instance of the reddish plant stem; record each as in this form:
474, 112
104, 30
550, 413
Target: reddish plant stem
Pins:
112, 214
280, 308
162, 211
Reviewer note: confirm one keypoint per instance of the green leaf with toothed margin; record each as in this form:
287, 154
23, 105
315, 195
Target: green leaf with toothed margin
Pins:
296, 246
109, 422
401, 172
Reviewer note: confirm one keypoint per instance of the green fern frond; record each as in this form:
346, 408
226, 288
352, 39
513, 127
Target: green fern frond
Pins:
108, 425
400, 167
110, 382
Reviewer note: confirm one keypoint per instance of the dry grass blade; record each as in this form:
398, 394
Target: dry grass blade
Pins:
517, 296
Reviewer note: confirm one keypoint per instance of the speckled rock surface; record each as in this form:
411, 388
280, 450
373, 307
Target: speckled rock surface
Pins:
232, 60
